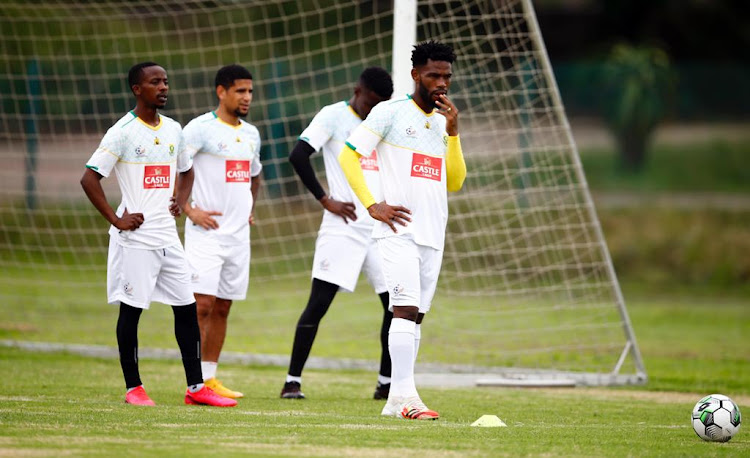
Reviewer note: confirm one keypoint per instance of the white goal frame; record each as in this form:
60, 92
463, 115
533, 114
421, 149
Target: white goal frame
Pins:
404, 37
528, 293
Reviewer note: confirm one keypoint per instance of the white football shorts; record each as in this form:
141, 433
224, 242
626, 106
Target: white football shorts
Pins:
339, 259
411, 271
137, 276
218, 270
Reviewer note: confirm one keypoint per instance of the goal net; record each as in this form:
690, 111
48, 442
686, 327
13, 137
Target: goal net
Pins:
527, 288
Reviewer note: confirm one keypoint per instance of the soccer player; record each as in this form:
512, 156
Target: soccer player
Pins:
226, 158
146, 261
344, 246
419, 155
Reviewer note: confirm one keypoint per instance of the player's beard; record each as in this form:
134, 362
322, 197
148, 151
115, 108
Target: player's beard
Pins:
425, 95
240, 114
158, 104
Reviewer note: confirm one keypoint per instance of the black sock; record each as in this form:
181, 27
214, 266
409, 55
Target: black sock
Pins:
385, 355
127, 343
321, 296
189, 340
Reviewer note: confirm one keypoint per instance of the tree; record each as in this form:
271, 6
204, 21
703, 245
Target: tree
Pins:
638, 83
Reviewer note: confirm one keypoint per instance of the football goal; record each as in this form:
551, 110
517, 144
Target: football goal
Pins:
527, 290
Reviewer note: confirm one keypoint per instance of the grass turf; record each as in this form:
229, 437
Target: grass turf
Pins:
689, 340
65, 404
692, 344
717, 165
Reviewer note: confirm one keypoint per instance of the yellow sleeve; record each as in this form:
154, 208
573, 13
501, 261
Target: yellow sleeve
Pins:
349, 160
455, 165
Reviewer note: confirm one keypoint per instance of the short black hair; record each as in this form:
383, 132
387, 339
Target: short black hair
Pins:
378, 80
136, 73
431, 50
227, 75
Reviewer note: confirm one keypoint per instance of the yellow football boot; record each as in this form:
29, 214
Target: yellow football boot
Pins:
218, 388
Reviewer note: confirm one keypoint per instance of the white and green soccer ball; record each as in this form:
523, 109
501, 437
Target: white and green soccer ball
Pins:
716, 418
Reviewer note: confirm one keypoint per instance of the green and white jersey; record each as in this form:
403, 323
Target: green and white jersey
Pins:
411, 147
146, 160
225, 160
328, 131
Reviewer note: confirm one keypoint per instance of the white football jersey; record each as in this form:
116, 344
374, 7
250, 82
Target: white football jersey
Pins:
411, 147
146, 160
328, 131
225, 160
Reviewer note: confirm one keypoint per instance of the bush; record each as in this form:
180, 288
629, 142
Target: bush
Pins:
658, 247
637, 82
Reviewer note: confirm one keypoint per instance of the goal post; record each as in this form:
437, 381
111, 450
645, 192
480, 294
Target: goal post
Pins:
630, 348
404, 37
527, 290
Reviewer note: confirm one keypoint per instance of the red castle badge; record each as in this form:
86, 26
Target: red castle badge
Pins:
156, 176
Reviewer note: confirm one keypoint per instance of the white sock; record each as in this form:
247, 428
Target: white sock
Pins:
417, 338
383, 380
195, 388
292, 378
209, 369
401, 346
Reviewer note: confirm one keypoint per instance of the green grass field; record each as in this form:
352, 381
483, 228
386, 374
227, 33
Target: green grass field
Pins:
61, 404
716, 165
66, 404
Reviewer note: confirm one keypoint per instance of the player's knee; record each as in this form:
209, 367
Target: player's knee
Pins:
203, 310
204, 301
221, 308
311, 317
185, 315
406, 313
314, 311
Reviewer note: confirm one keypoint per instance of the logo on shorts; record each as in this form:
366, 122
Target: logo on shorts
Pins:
238, 171
369, 163
411, 132
156, 176
128, 289
324, 265
426, 166
398, 289
194, 278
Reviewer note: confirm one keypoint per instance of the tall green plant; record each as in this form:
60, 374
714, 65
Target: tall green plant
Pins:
638, 82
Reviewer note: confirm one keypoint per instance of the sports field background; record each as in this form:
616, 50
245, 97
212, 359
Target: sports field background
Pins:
681, 273
677, 232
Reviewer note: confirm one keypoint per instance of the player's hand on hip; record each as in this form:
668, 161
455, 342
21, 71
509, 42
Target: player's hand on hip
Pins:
390, 214
345, 210
449, 110
129, 221
251, 219
174, 209
204, 218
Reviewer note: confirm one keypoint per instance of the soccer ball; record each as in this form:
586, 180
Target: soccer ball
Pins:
716, 418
